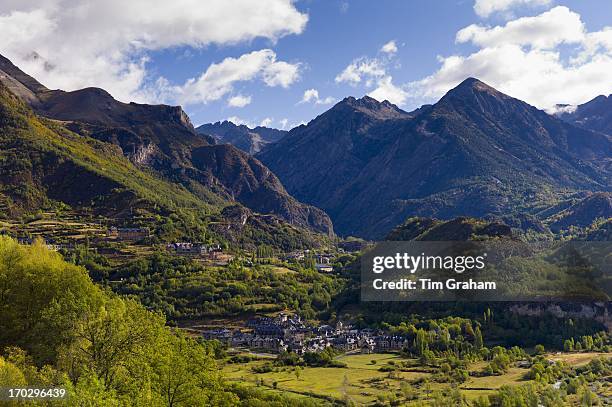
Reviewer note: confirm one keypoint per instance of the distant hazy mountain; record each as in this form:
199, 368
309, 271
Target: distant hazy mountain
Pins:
593, 115
250, 140
477, 152
163, 139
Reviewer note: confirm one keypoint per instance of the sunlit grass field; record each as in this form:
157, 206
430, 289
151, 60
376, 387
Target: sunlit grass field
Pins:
362, 381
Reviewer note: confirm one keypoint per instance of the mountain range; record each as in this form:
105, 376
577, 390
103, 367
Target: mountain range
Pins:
370, 165
476, 152
595, 114
249, 140
162, 139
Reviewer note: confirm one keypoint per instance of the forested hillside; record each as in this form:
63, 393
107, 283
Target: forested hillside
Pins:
46, 167
59, 329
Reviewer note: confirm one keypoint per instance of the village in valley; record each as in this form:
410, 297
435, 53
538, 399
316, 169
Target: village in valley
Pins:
272, 333
289, 333
267, 335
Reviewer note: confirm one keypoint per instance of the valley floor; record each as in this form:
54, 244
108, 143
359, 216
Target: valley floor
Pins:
362, 382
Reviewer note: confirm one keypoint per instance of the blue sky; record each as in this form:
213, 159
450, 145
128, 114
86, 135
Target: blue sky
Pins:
255, 64
337, 32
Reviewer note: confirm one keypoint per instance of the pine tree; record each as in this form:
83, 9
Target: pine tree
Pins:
478, 341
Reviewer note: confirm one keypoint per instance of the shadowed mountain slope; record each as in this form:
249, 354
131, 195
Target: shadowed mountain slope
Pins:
594, 115
477, 152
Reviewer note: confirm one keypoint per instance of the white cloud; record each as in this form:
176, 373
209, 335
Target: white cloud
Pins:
105, 44
389, 48
527, 58
266, 122
283, 123
218, 80
280, 74
484, 8
386, 90
238, 121
312, 96
239, 101
372, 72
547, 30
361, 68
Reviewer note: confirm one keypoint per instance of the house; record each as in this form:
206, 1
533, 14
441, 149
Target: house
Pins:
324, 268
326, 330
297, 346
324, 258
56, 247
269, 330
345, 344
295, 256
268, 344
317, 344
367, 345
525, 364
390, 343
187, 249
222, 335
241, 338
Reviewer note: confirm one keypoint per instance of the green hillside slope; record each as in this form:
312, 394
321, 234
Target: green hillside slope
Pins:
44, 167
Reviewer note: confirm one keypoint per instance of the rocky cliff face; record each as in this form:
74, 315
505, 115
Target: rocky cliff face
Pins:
600, 312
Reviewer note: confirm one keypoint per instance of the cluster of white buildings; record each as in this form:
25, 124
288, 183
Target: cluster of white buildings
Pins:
193, 249
323, 262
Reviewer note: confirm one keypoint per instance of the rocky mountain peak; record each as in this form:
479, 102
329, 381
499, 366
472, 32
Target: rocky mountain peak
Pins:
471, 88
17, 74
595, 114
371, 107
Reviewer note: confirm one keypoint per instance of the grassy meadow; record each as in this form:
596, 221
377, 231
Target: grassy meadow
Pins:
362, 382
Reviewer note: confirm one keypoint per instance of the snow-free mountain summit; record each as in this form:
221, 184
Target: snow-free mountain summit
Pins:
476, 152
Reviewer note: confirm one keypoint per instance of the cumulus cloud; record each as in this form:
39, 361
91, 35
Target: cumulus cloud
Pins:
312, 96
266, 122
72, 44
528, 58
386, 90
219, 79
484, 8
373, 73
239, 101
547, 30
362, 68
389, 48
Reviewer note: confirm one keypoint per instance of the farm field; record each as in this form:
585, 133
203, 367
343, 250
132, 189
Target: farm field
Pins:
577, 359
363, 383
